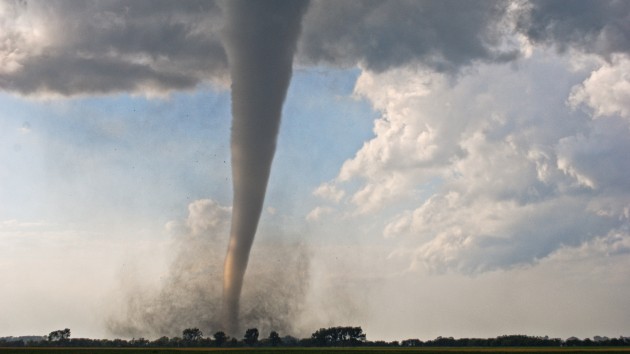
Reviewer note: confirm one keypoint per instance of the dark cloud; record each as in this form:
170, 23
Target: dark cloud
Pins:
442, 35
76, 75
595, 26
83, 47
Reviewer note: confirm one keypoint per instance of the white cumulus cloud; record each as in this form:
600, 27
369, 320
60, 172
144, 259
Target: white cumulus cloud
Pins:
607, 90
491, 169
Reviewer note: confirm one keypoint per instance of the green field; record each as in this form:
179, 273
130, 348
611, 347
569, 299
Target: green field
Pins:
309, 350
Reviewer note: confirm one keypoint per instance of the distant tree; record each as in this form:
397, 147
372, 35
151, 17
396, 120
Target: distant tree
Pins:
378, 343
220, 338
11, 342
251, 336
192, 335
290, 341
411, 343
160, 342
140, 342
333, 336
573, 342
61, 335
175, 342
307, 342
205, 342
120, 343
274, 339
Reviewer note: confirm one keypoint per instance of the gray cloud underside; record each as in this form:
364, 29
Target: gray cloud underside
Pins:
443, 35
73, 47
593, 26
108, 46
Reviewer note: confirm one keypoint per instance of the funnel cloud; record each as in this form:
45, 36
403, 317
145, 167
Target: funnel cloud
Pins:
260, 40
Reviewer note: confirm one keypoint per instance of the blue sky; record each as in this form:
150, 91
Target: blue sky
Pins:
152, 156
442, 169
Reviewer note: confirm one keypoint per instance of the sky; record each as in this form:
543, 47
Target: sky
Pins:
443, 168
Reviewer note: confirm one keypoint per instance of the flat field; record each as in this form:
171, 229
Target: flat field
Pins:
599, 350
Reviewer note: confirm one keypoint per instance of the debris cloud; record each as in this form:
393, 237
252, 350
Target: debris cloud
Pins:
189, 293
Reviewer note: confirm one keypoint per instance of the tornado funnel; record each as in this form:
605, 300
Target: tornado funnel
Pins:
260, 39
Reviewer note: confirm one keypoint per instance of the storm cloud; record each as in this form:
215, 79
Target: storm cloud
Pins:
441, 35
99, 47
69, 47
601, 27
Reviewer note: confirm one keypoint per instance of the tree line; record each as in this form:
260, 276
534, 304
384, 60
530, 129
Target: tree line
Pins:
324, 337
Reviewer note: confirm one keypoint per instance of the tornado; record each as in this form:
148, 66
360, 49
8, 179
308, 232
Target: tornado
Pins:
260, 38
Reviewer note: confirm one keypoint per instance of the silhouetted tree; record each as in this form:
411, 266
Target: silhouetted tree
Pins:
445, 342
411, 343
161, 342
333, 336
220, 338
290, 341
140, 342
192, 335
572, 341
338, 336
176, 342
251, 336
274, 339
61, 335
11, 343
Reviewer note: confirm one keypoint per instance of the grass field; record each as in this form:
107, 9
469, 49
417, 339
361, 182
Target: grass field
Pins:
310, 350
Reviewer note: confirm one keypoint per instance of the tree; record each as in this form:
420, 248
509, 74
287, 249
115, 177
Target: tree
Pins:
161, 342
140, 342
175, 342
61, 335
220, 338
411, 343
338, 336
274, 339
192, 335
251, 336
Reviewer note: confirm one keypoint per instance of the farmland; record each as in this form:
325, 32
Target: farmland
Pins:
60, 350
